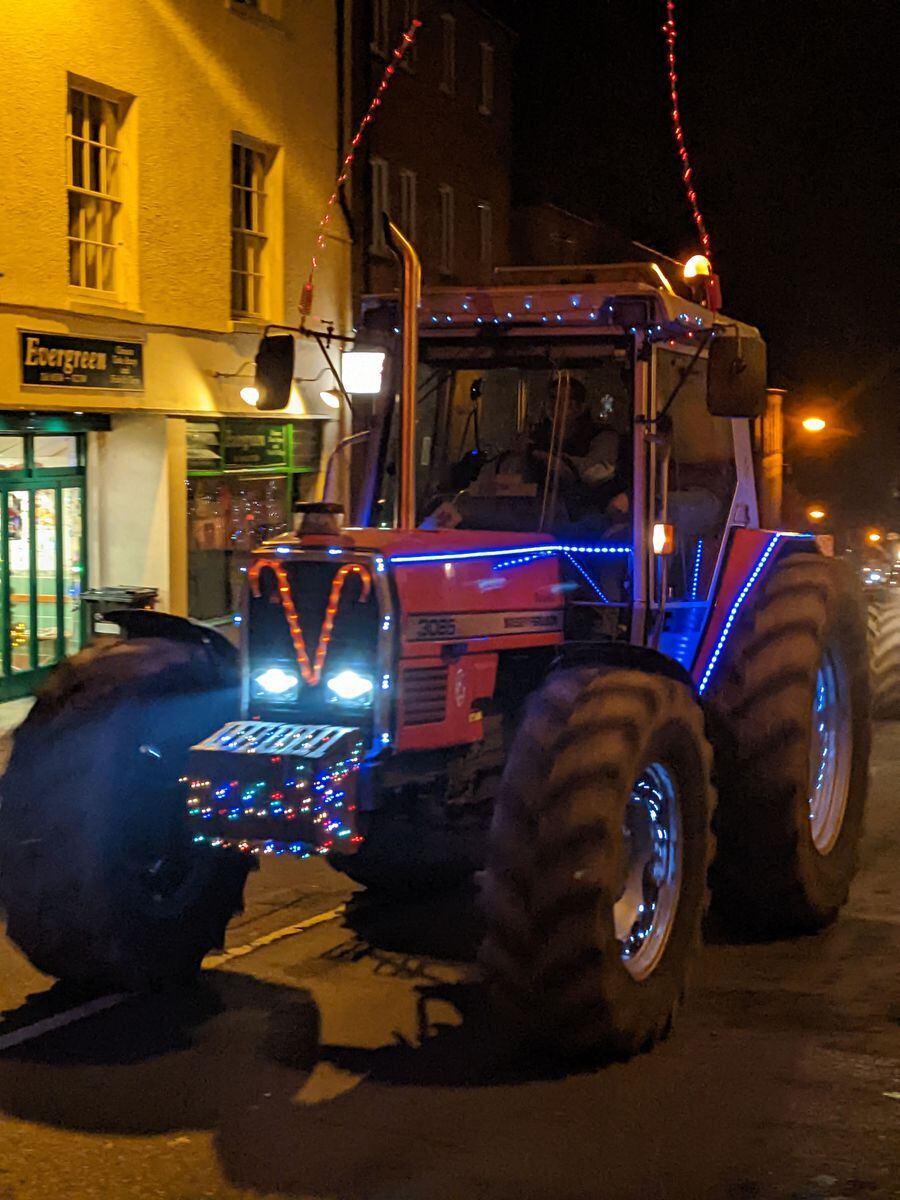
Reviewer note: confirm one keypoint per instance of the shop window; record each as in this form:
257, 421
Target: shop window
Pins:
12, 453
94, 124
56, 453
244, 478
42, 564
249, 229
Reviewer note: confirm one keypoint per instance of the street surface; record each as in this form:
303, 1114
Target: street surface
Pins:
348, 1059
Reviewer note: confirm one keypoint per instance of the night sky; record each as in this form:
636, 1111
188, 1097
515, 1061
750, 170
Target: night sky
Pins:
788, 122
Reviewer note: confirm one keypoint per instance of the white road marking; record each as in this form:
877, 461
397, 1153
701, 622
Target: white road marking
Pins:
69, 1016
59, 1020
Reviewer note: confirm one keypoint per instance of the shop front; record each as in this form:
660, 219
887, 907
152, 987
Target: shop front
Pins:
42, 545
244, 478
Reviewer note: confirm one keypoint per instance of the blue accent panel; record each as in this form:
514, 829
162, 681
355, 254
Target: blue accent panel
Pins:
736, 607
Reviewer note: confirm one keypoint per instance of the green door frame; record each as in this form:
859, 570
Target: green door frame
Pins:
23, 683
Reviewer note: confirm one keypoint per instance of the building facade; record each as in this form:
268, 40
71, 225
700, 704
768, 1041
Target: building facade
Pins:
164, 168
437, 156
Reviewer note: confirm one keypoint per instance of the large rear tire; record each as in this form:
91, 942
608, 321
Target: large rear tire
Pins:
596, 886
884, 649
792, 713
102, 883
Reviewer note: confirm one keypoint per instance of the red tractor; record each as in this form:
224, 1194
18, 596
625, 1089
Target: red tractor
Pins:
554, 648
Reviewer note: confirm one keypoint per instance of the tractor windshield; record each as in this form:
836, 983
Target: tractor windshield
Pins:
522, 443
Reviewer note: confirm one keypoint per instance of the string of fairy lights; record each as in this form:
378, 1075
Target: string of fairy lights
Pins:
390, 70
320, 805
670, 30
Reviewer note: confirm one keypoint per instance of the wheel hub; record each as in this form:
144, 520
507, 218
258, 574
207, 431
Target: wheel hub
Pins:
831, 746
645, 910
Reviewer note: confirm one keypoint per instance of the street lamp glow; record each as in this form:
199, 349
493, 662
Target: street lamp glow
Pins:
816, 514
813, 424
873, 536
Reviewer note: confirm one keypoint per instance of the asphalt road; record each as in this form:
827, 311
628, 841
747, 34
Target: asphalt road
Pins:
348, 1059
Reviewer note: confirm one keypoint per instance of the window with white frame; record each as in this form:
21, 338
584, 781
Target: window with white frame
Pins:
408, 202
380, 183
485, 235
381, 26
249, 229
448, 54
448, 230
486, 104
94, 123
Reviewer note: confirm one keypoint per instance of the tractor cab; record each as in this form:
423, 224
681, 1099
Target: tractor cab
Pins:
583, 412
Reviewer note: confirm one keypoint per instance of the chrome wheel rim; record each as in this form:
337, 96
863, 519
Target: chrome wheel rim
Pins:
830, 750
645, 911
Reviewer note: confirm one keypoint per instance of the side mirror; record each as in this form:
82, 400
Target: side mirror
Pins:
274, 371
736, 377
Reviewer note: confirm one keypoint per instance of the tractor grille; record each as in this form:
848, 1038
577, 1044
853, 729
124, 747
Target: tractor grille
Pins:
424, 695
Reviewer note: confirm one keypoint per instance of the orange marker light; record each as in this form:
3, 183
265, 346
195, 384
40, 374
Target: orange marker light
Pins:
663, 538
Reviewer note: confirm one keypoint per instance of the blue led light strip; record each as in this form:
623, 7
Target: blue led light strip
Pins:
736, 608
580, 568
522, 559
695, 578
515, 551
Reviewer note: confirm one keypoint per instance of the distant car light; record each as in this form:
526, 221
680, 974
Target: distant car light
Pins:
350, 686
275, 681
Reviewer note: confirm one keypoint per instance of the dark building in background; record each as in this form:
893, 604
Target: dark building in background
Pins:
438, 156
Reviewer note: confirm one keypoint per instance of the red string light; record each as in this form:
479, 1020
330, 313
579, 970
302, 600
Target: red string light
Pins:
311, 672
403, 45
687, 175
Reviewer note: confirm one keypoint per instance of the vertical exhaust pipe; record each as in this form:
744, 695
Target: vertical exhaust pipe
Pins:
410, 295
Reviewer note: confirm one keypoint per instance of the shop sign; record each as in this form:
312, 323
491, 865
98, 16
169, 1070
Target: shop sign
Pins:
254, 443
55, 360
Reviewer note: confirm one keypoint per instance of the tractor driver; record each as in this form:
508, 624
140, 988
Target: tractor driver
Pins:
595, 460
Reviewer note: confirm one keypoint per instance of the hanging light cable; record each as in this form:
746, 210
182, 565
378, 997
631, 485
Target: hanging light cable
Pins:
405, 42
687, 175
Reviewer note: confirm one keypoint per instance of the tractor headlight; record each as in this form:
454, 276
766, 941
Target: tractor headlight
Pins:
351, 687
275, 683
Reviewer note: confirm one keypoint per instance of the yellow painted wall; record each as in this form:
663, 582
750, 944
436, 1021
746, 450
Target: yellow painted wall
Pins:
199, 72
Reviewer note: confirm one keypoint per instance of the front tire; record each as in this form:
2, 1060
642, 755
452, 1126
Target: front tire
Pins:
792, 711
102, 883
595, 887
